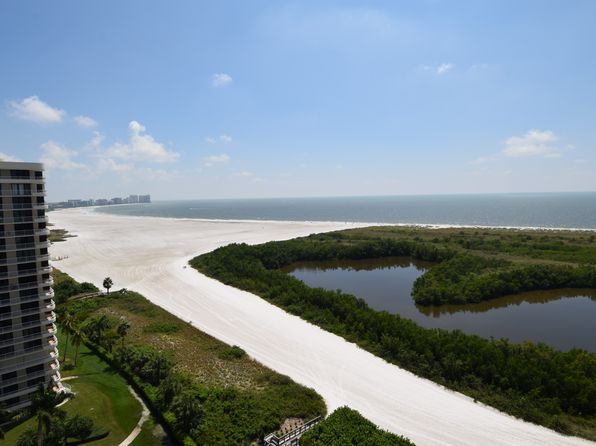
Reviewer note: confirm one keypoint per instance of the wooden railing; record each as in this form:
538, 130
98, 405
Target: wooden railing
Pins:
291, 438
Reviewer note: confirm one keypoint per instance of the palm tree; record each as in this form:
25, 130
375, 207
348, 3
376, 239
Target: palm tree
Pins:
107, 284
43, 406
122, 329
67, 323
77, 338
100, 326
188, 410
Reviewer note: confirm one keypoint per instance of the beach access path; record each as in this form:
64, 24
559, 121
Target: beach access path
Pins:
149, 255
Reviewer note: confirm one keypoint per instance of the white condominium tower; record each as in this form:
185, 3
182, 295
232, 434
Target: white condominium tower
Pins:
28, 354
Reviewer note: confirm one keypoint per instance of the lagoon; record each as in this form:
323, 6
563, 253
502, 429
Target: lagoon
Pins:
561, 318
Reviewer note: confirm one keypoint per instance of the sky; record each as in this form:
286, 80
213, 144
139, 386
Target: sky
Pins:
232, 99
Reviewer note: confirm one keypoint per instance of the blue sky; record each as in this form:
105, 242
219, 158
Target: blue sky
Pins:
190, 99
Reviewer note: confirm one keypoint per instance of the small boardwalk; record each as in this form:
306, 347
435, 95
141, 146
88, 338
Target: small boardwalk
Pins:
291, 438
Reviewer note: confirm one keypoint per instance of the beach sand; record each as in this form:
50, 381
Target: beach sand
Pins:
149, 255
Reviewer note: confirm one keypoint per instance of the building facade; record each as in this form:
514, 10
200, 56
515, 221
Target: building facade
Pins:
28, 343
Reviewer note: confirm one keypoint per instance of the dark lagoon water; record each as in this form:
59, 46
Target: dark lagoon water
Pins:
561, 318
548, 210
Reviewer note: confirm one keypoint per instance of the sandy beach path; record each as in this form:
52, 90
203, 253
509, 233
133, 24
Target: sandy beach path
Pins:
148, 255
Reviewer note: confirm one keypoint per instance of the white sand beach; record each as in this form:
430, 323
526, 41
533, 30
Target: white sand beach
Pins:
149, 255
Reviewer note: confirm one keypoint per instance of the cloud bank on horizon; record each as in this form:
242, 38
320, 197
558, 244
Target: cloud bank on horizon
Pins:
268, 100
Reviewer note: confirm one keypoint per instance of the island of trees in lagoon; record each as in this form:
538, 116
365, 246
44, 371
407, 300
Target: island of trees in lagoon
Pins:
532, 381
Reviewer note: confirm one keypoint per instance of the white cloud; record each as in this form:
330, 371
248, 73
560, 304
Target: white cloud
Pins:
35, 110
6, 157
54, 156
484, 160
85, 121
221, 80
581, 161
214, 160
108, 164
141, 147
225, 138
444, 68
533, 143
210, 140
245, 174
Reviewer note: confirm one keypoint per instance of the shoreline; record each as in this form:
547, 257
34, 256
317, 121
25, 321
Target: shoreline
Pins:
150, 254
92, 210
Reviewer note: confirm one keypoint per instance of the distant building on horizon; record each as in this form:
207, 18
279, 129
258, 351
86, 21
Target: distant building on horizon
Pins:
144, 198
28, 343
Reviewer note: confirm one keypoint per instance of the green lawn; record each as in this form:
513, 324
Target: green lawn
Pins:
102, 395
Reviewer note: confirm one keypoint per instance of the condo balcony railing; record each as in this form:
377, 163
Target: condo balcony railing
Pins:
23, 246
23, 193
25, 232
51, 344
27, 377
25, 206
36, 297
27, 286
21, 177
17, 260
11, 315
26, 272
19, 340
27, 219
19, 363
49, 325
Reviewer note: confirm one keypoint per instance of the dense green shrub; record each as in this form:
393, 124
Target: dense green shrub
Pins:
233, 352
347, 427
535, 382
161, 327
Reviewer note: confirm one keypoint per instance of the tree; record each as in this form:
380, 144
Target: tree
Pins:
188, 410
77, 338
107, 284
79, 427
122, 329
27, 438
96, 328
43, 407
67, 323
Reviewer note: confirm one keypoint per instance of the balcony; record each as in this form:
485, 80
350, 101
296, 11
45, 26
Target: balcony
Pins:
16, 261
21, 232
15, 314
15, 179
20, 340
18, 360
23, 206
36, 297
29, 376
23, 246
27, 286
26, 272
23, 193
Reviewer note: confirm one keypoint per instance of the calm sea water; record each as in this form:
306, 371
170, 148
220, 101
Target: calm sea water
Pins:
549, 210
561, 318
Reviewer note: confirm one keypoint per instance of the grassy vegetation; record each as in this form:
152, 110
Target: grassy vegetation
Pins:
59, 235
101, 394
347, 427
534, 382
235, 400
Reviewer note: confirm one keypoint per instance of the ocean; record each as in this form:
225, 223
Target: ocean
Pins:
536, 210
